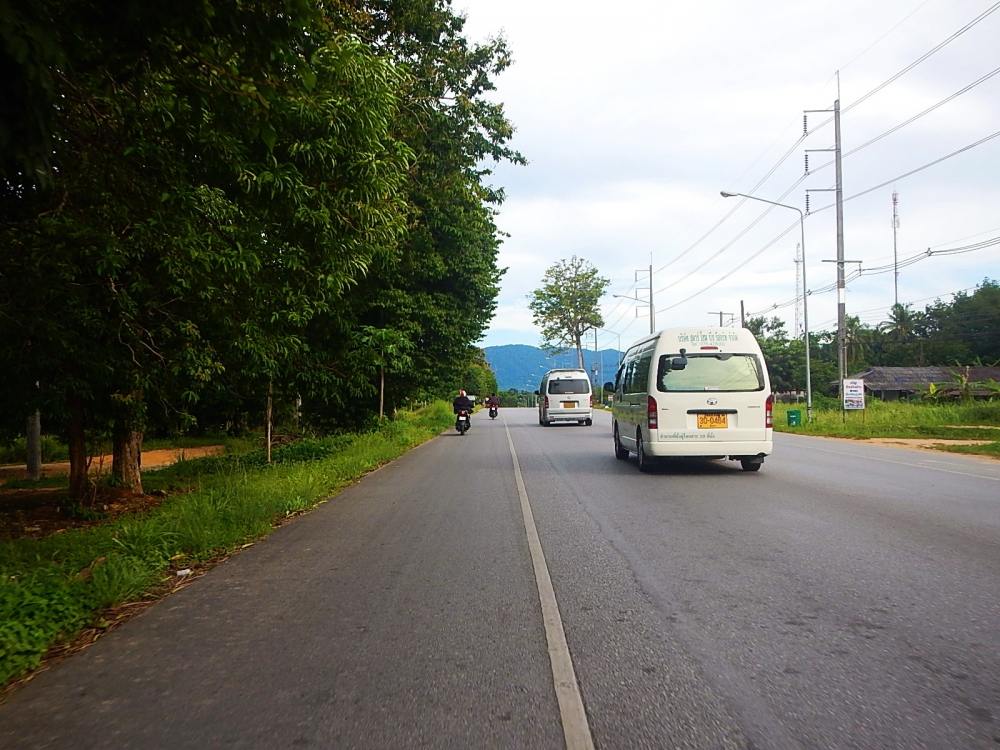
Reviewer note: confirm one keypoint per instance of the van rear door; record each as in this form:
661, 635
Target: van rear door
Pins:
718, 395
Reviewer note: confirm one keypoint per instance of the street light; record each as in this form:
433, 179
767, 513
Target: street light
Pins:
650, 301
805, 294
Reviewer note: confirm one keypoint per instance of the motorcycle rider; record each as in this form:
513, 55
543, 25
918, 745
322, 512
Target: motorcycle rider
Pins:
493, 402
461, 403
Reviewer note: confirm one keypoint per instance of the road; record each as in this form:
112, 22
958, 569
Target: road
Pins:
846, 596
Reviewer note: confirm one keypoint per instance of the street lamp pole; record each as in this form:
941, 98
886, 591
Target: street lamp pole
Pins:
805, 293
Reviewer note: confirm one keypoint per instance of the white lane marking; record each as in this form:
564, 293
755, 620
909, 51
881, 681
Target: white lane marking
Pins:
576, 730
907, 463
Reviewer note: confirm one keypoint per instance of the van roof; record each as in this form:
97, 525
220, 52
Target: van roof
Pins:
707, 332
565, 372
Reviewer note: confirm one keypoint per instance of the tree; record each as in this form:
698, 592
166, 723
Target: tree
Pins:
387, 350
218, 179
566, 305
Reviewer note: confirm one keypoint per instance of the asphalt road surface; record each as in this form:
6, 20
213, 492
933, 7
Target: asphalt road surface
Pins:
846, 596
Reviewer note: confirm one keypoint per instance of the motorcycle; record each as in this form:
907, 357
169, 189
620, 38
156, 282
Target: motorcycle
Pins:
493, 412
462, 422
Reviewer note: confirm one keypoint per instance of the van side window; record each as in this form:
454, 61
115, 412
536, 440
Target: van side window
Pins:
627, 376
640, 373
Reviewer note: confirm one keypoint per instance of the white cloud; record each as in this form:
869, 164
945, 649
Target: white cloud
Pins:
633, 117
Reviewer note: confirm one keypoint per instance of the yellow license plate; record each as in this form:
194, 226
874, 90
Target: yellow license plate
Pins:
569, 404
713, 421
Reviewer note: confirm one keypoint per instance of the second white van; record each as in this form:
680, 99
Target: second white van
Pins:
693, 392
565, 396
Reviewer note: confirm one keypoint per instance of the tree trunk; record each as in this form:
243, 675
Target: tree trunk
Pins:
78, 480
579, 352
381, 392
126, 457
126, 449
34, 440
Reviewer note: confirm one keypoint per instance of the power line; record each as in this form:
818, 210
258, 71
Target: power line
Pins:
795, 146
871, 46
912, 119
759, 218
912, 172
889, 267
923, 57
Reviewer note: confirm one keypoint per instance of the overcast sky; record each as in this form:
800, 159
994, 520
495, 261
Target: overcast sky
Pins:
634, 116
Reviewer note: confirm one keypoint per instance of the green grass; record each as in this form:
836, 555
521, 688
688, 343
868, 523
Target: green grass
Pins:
35, 484
52, 587
987, 449
901, 419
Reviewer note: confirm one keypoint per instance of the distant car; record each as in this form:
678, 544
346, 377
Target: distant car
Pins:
565, 396
693, 392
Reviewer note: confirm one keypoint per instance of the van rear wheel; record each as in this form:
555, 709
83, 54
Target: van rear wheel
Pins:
640, 453
621, 452
750, 464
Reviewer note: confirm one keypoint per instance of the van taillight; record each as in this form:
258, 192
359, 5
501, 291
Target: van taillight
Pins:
591, 402
769, 411
651, 413
546, 402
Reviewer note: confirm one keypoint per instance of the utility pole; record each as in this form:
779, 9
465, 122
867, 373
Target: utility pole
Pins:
720, 313
841, 285
652, 314
895, 256
798, 285
743, 316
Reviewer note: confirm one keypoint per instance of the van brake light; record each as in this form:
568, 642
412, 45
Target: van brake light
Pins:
546, 402
769, 411
651, 413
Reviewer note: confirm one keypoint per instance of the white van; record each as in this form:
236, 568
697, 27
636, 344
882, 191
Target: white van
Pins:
694, 392
565, 396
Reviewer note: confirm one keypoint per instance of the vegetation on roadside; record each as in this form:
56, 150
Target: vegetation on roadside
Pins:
219, 209
962, 331
977, 420
51, 588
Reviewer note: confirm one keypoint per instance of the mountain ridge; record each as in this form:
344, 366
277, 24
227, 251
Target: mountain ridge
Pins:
521, 366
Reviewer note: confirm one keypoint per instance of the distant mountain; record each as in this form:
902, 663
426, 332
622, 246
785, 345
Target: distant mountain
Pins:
521, 366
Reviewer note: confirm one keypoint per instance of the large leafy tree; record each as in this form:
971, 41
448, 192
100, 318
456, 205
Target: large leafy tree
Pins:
438, 289
216, 183
567, 305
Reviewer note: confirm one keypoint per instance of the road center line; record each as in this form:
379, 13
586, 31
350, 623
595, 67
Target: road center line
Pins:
576, 730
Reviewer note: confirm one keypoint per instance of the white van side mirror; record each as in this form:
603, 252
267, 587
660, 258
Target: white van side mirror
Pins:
679, 363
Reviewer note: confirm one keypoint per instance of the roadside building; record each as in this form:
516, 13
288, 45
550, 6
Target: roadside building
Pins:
894, 383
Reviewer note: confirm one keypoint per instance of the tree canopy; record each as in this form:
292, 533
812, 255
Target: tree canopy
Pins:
201, 202
964, 331
567, 305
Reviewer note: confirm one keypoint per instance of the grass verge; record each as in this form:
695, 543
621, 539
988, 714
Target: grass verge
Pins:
53, 587
950, 421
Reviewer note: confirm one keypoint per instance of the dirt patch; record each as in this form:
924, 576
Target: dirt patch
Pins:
929, 443
41, 511
100, 465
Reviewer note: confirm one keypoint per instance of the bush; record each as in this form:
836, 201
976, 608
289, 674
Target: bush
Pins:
16, 452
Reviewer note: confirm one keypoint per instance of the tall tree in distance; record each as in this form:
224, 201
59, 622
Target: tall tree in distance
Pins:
566, 305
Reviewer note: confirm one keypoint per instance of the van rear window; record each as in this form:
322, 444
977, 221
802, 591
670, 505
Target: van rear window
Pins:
569, 386
711, 372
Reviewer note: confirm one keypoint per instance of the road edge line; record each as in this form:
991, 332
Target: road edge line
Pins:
576, 729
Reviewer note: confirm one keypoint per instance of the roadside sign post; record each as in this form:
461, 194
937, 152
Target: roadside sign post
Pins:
854, 394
